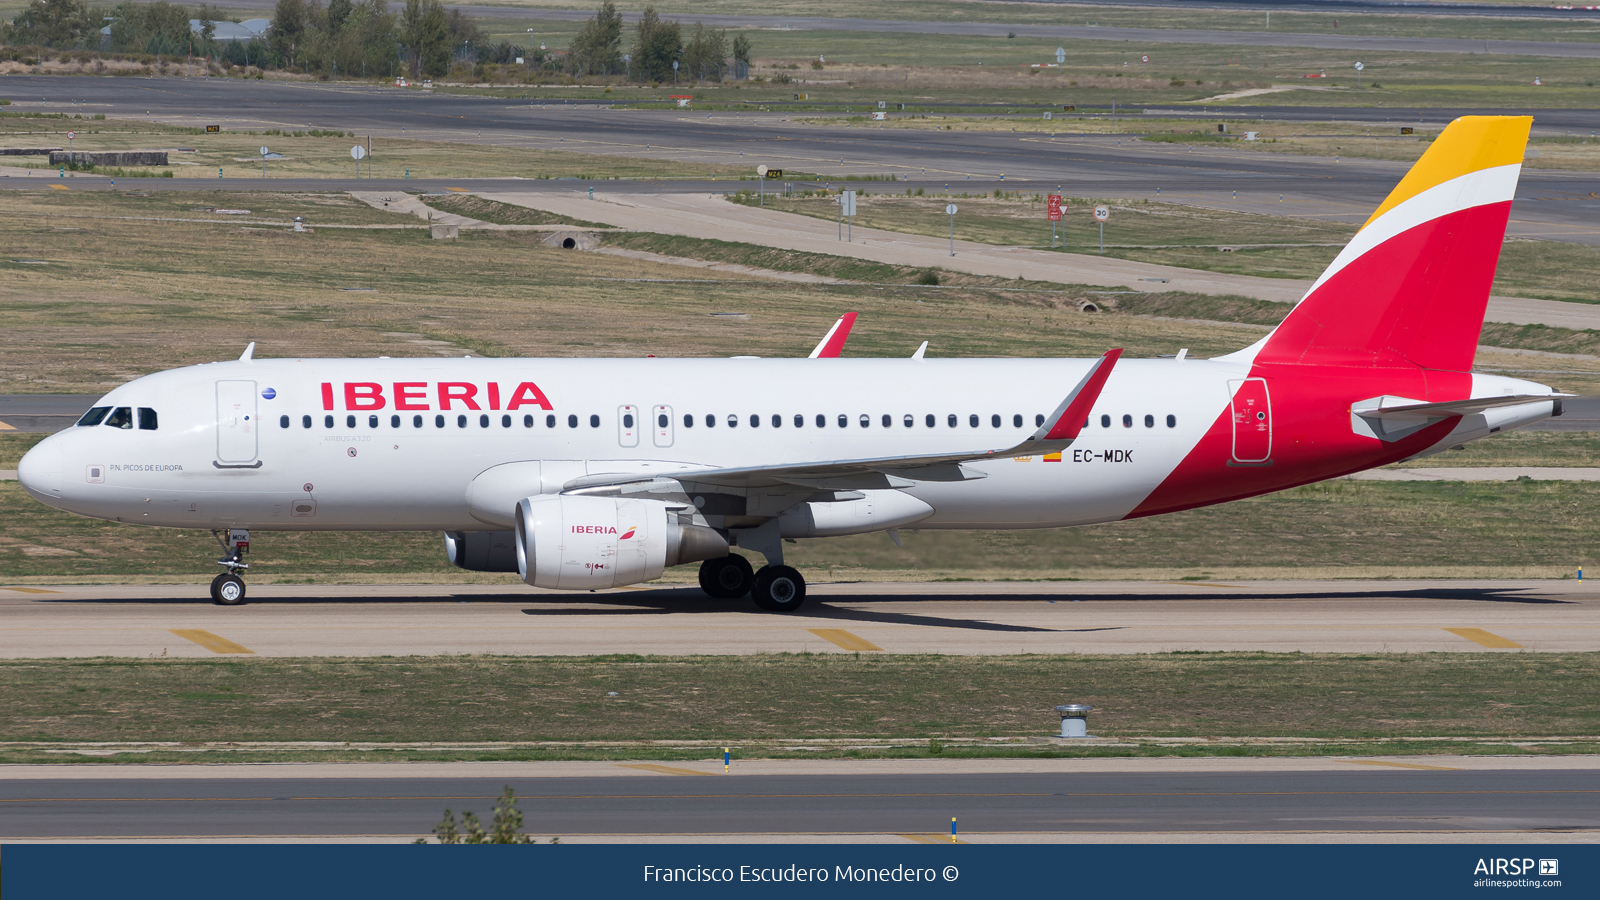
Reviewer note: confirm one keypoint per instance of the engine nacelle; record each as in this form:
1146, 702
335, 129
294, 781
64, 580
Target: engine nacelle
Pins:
873, 511
589, 543
482, 551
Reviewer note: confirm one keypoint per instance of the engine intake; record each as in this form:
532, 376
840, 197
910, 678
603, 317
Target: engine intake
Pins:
589, 543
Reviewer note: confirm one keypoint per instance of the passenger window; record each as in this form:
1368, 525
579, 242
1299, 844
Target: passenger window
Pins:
505, 421
394, 421
865, 420
327, 421
283, 421
799, 420
661, 420
627, 420
1105, 421
887, 420
994, 421
1172, 421
777, 421
94, 416
822, 420
483, 420
931, 421
711, 420
844, 421
550, 421
755, 421
372, 421
416, 421
910, 421
1149, 421
952, 420
438, 421
349, 421
972, 420
527, 421
121, 418
594, 421
572, 421
688, 420
1038, 419
733, 421
1016, 421
147, 419
1127, 421
461, 421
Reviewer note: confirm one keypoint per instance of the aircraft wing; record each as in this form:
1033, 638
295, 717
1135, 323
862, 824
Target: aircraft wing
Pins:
1058, 432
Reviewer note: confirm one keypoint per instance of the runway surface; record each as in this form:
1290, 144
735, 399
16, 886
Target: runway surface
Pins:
1551, 204
1421, 799
952, 618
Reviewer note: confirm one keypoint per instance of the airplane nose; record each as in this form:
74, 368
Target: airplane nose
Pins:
40, 471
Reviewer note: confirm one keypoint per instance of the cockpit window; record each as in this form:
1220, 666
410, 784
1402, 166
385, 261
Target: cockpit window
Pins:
147, 419
121, 418
94, 416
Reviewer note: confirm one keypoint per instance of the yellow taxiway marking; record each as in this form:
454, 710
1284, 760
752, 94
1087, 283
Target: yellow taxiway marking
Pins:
58, 187
5, 427
30, 590
457, 190
931, 839
210, 641
660, 770
844, 639
1485, 638
1379, 762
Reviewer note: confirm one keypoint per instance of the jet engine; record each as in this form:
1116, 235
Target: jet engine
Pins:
482, 551
588, 543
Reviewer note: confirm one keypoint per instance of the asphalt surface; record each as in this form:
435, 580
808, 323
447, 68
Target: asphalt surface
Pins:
959, 618
1372, 801
1551, 204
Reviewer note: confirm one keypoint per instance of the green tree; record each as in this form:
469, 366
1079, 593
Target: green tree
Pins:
160, 27
706, 53
425, 31
504, 828
285, 36
741, 56
597, 50
54, 23
656, 44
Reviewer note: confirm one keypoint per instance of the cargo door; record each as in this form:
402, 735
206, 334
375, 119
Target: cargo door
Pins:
236, 422
1252, 422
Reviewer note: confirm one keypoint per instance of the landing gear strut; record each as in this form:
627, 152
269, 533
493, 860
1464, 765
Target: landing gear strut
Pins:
227, 589
727, 577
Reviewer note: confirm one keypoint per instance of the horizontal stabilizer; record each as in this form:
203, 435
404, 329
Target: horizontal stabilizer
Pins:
1401, 408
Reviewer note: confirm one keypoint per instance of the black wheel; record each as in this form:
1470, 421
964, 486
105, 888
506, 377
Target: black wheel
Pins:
779, 589
227, 590
726, 578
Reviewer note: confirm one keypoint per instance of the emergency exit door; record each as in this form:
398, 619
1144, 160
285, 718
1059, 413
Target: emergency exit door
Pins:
237, 428
1252, 422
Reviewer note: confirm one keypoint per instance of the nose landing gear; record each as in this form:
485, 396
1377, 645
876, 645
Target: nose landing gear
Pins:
227, 589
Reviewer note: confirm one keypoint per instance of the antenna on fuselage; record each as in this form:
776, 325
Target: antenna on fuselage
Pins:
249, 353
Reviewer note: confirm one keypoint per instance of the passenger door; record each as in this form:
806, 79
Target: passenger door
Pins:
236, 422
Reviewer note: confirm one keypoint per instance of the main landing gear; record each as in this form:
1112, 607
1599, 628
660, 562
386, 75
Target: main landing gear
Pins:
227, 589
774, 588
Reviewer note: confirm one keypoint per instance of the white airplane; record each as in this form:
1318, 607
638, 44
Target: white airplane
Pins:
585, 474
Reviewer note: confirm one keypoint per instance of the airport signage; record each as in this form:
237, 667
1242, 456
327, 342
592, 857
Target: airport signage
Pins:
1053, 207
1102, 213
213, 129
773, 173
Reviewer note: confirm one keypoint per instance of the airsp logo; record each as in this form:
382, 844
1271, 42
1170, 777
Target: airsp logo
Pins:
1549, 867
1524, 866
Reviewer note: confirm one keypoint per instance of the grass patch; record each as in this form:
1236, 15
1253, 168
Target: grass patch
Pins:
13, 445
498, 213
775, 696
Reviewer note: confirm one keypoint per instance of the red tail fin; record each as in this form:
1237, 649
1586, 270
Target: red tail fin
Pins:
1412, 285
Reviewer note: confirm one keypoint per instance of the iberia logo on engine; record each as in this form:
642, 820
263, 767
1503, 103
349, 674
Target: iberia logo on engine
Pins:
629, 533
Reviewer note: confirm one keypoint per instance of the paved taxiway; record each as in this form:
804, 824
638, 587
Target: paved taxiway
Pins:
1552, 204
995, 801
953, 618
